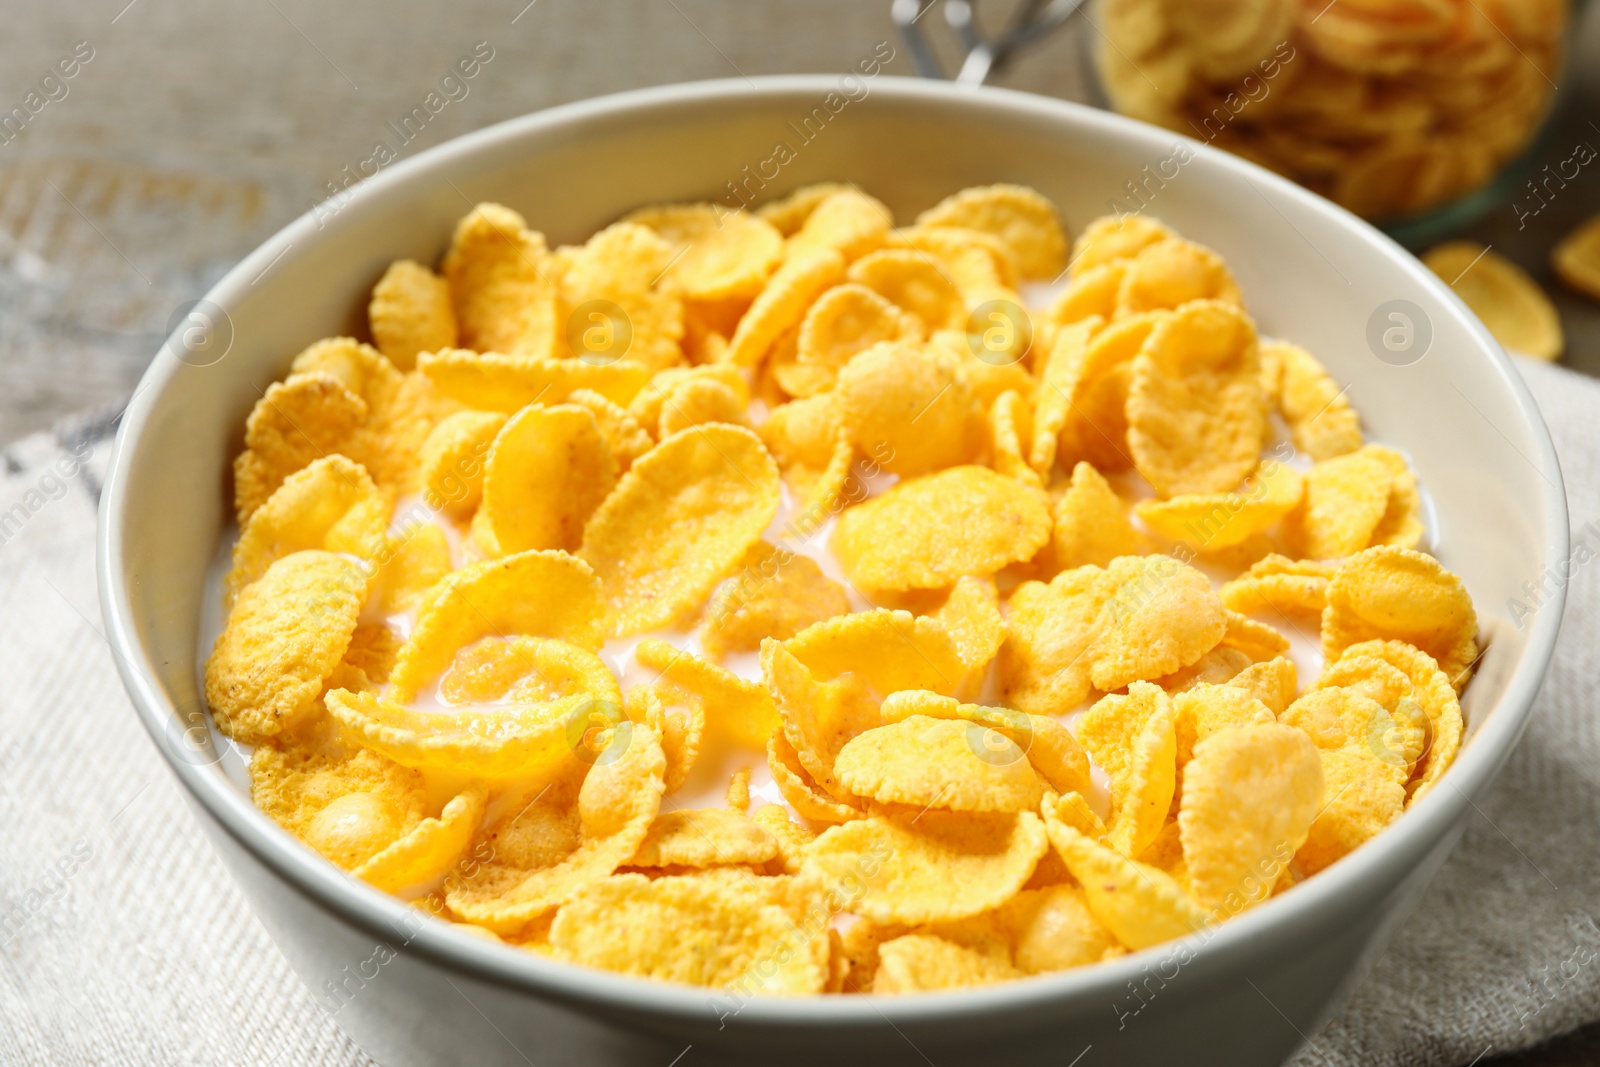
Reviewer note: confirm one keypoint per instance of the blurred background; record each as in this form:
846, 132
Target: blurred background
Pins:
185, 134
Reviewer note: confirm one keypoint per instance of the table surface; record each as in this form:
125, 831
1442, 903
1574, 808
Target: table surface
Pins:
195, 132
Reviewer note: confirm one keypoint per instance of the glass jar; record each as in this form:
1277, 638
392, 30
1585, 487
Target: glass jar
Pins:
1404, 111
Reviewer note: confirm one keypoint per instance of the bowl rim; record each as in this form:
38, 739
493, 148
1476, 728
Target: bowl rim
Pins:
355, 904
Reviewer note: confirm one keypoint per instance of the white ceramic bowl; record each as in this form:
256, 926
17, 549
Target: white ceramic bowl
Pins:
417, 992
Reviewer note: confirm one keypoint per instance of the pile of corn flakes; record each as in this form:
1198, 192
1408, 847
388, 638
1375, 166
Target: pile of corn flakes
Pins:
805, 505
1387, 106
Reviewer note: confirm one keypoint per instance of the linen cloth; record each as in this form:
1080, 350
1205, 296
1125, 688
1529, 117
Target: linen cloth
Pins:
123, 940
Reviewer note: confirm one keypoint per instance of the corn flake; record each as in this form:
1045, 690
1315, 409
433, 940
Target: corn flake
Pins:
430, 849
547, 471
921, 963
703, 837
1196, 414
717, 254
411, 312
1017, 215
1282, 585
721, 933
845, 320
940, 865
544, 855
1386, 593
905, 404
775, 594
1139, 904
541, 594
917, 283
679, 522
1320, 418
1250, 795
1092, 526
296, 422
285, 634
491, 381
937, 763
924, 533
1211, 521
1159, 616
503, 283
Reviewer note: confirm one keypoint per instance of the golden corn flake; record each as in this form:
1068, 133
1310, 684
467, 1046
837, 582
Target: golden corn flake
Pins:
1345, 500
296, 422
1219, 665
819, 717
718, 933
1171, 273
1011, 434
1499, 292
698, 401
1196, 414
1576, 260
979, 263
679, 718
1133, 739
503, 283
1207, 708
1112, 238
1052, 402
495, 743
847, 221
411, 312
789, 293
938, 865
915, 282
630, 268
1019, 216
1431, 690
904, 404
547, 471
1159, 616
922, 963
775, 594
285, 634
1255, 639
790, 213
717, 254
1091, 293
1092, 526
452, 460
1280, 585
418, 558
1211, 521
430, 849
1273, 682
791, 838
347, 803
1139, 904
373, 648
1318, 412
971, 616
1003, 733
330, 505
679, 522
937, 763
703, 837
627, 439
490, 381
542, 594
1044, 664
1054, 930
737, 710
845, 320
887, 650
927, 532
1097, 424
1250, 795
550, 850
649, 408
800, 791
1397, 594
1362, 798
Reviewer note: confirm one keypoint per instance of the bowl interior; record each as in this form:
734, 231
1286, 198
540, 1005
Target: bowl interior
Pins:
1311, 274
